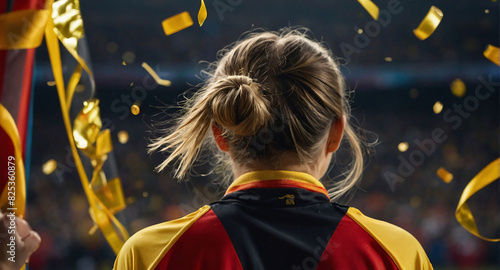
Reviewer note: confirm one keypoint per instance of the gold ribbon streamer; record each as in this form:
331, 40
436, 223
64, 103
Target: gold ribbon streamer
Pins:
67, 24
8, 124
493, 54
177, 23
429, 23
202, 13
98, 211
370, 7
463, 214
22, 29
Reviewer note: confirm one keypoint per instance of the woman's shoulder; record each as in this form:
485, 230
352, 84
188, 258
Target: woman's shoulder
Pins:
403, 247
146, 247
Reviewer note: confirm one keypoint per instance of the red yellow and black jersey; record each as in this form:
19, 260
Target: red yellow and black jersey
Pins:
273, 220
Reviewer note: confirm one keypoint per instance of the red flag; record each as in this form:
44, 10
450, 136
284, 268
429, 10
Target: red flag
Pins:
16, 80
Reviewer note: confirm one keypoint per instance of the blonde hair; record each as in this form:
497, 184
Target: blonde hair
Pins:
270, 93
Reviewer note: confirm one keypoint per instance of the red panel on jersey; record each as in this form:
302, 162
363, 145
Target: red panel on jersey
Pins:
205, 245
351, 247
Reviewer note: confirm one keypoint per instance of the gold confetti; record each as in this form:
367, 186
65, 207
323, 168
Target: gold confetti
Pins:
131, 84
414, 93
145, 194
438, 107
128, 57
130, 200
111, 47
492, 53
360, 31
123, 137
202, 13
444, 175
486, 11
135, 109
370, 7
51, 83
177, 23
79, 88
415, 201
155, 76
49, 166
139, 184
458, 88
429, 23
403, 146
124, 63
388, 59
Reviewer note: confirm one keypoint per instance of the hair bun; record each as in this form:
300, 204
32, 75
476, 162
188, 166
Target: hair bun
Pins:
238, 105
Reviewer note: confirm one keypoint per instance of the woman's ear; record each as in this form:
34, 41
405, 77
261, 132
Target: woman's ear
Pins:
219, 139
335, 135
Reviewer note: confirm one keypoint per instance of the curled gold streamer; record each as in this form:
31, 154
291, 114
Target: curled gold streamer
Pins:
429, 23
463, 214
493, 54
155, 76
8, 124
202, 13
369, 6
112, 229
177, 23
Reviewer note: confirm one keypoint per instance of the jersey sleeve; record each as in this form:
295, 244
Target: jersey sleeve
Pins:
146, 248
404, 249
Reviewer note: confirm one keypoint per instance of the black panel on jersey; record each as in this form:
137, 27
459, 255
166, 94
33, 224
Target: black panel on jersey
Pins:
266, 232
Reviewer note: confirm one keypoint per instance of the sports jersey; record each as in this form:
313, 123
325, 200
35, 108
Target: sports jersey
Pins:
273, 220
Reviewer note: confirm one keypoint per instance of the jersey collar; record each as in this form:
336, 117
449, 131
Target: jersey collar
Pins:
277, 179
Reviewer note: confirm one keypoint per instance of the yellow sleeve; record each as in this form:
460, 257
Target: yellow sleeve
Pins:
404, 249
146, 248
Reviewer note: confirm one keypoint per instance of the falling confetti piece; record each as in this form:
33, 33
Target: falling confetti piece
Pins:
415, 201
128, 57
403, 146
79, 88
444, 175
145, 194
130, 200
202, 14
124, 63
388, 59
458, 88
438, 107
155, 76
486, 11
131, 84
111, 47
123, 137
49, 167
51, 83
360, 31
177, 23
135, 109
429, 23
493, 54
139, 184
414, 93
370, 7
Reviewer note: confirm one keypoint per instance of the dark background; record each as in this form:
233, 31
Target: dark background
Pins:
392, 99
